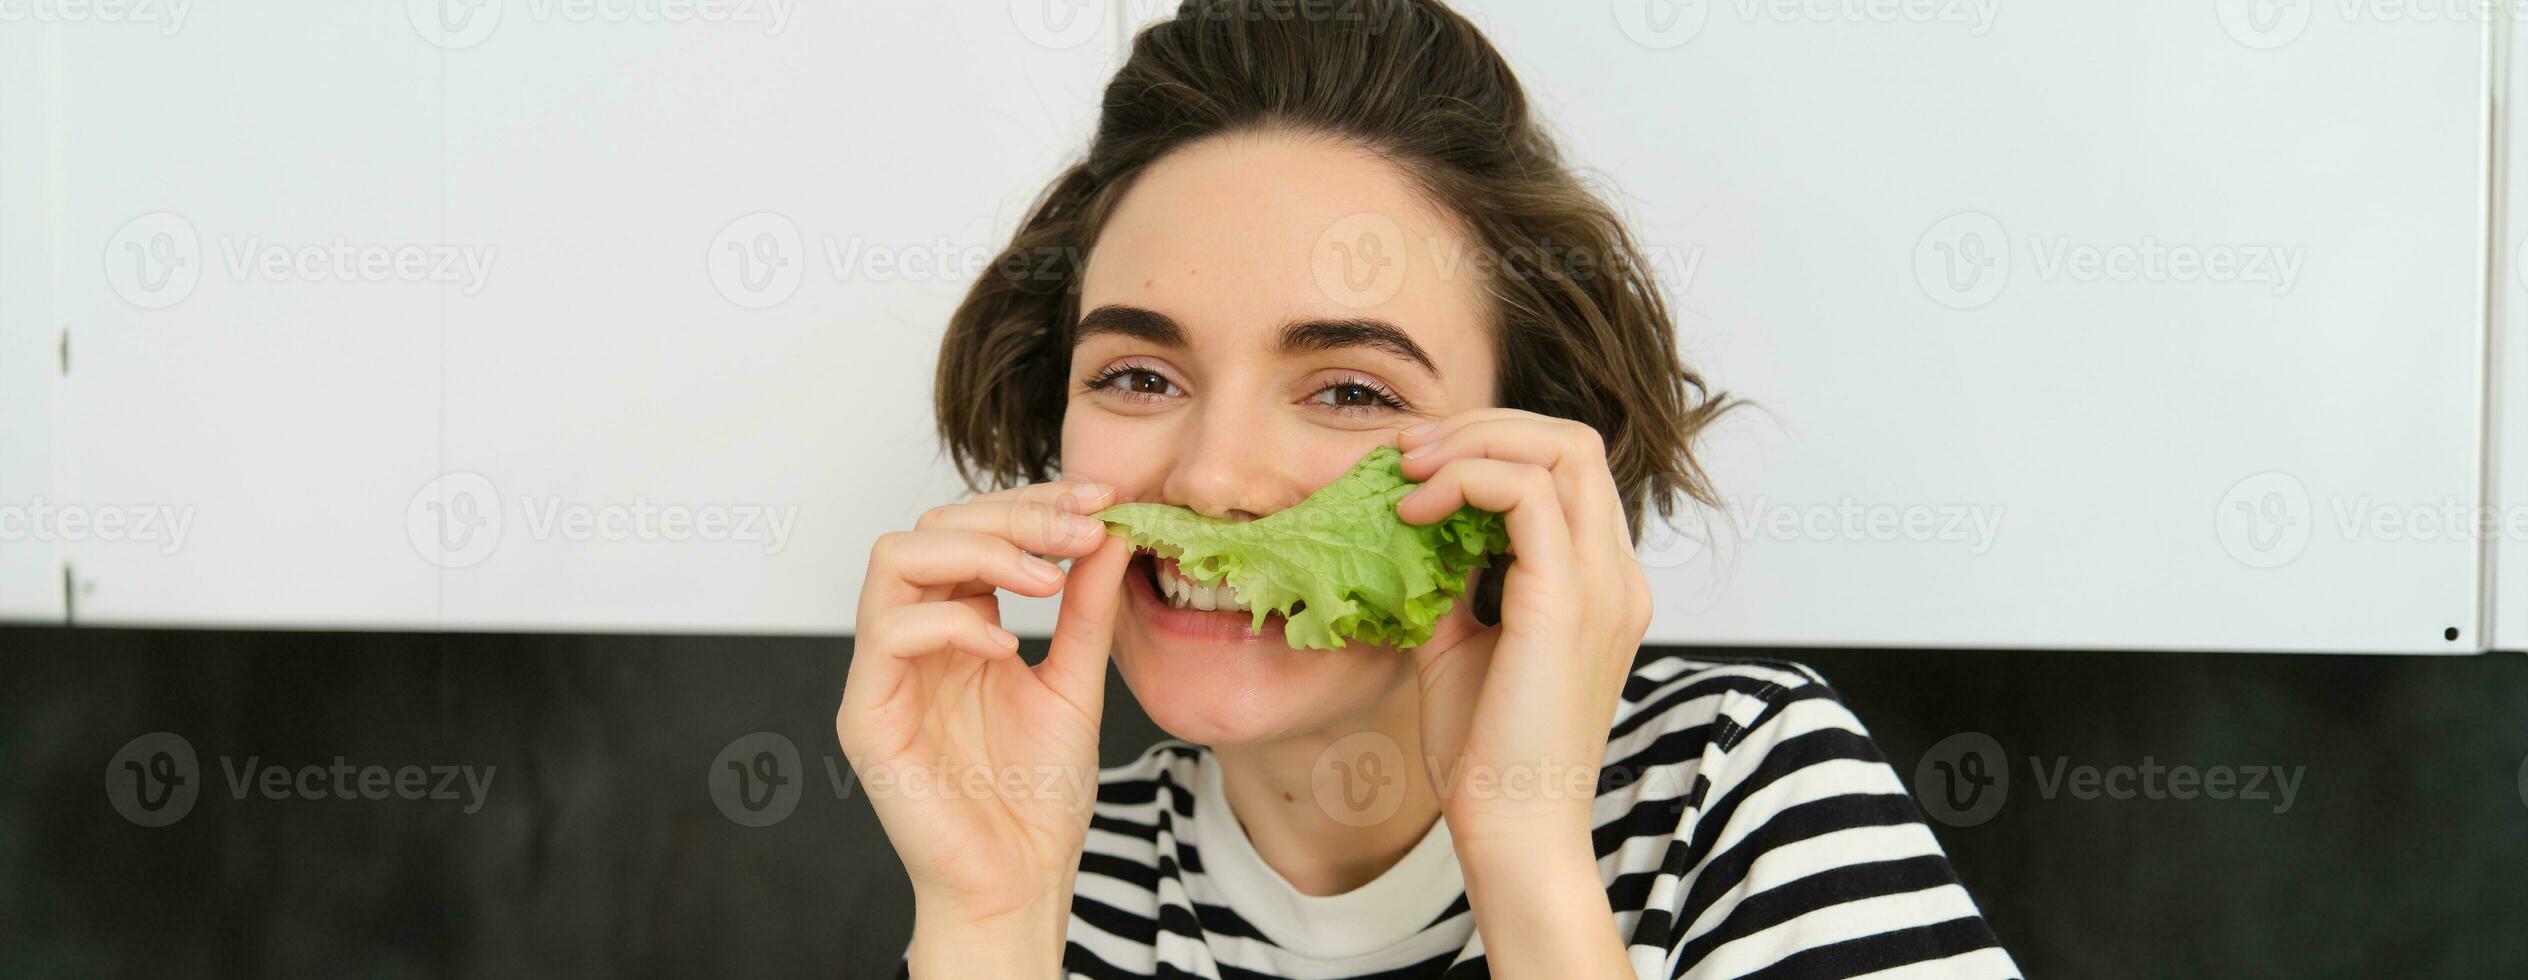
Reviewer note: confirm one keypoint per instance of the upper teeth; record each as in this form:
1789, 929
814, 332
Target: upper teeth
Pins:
1183, 593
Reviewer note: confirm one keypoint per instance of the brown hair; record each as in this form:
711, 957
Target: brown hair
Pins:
1580, 329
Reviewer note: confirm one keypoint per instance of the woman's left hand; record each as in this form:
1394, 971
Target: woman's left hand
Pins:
1515, 716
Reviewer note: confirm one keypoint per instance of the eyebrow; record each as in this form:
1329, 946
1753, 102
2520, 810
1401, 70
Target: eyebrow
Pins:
1324, 335
1130, 321
1153, 327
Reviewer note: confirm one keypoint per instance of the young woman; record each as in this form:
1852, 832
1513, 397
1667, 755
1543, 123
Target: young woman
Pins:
1304, 231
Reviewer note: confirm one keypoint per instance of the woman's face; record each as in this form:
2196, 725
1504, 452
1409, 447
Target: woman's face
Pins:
1260, 310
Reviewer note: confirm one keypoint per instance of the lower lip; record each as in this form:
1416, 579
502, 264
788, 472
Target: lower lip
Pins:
1194, 625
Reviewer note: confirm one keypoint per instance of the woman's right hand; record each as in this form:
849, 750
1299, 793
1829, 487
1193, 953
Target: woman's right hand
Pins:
939, 701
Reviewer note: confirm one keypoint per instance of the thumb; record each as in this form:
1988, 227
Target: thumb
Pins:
1075, 665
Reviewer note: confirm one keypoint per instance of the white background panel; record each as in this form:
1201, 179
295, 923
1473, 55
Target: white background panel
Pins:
608, 363
277, 413
2102, 424
1797, 182
30, 560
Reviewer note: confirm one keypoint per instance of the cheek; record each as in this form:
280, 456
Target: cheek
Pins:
1099, 446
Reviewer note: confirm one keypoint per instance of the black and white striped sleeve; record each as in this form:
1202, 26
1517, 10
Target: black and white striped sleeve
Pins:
1798, 852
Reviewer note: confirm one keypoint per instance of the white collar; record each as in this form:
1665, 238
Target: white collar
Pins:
1387, 910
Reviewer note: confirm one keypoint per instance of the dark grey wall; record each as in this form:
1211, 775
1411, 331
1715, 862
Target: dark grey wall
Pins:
599, 849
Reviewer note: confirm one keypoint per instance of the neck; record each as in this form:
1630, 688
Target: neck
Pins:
1321, 821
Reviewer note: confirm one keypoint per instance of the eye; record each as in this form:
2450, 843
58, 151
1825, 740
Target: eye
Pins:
1358, 395
1133, 381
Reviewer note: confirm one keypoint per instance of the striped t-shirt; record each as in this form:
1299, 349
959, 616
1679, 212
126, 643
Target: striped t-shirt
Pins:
1746, 826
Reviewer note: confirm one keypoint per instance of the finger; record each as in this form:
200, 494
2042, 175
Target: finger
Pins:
1571, 450
985, 605
926, 628
1037, 526
1075, 665
915, 566
1530, 506
1072, 496
983, 599
889, 643
1434, 431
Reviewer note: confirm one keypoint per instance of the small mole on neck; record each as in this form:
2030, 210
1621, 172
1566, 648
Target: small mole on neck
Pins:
1285, 797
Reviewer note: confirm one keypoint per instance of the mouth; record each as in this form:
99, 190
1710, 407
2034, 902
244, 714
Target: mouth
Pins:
1183, 592
1174, 602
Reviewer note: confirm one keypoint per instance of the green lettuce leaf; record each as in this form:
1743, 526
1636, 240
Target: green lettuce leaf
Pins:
1339, 565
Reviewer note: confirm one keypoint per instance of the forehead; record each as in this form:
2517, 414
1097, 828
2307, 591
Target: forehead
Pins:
1235, 236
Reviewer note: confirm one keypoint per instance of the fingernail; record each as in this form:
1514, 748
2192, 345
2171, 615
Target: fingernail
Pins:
1077, 527
1420, 430
1007, 639
1042, 570
1419, 450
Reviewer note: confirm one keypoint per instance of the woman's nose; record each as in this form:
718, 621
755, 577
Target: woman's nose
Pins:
1231, 468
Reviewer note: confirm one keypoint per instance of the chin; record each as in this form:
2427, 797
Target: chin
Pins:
1204, 677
